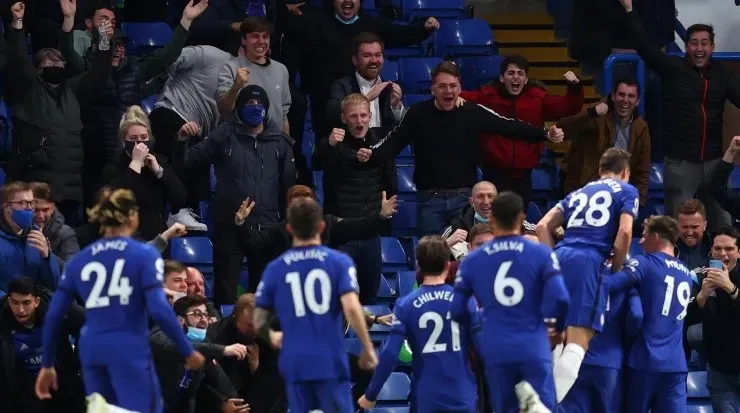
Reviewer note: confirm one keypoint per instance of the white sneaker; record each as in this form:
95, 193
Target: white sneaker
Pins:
186, 217
97, 404
529, 400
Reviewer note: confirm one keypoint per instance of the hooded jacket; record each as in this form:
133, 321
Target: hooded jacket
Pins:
70, 396
18, 259
260, 167
62, 238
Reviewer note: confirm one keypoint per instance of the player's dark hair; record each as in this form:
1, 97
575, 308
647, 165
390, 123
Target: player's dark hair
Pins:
506, 209
23, 286
614, 160
304, 217
664, 226
728, 231
182, 305
432, 254
114, 208
480, 228
172, 266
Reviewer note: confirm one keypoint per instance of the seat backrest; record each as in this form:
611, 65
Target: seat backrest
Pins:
656, 177
396, 388
696, 385
392, 252
533, 212
416, 73
192, 250
405, 218
465, 37
149, 34
414, 98
541, 180
406, 179
148, 103
390, 409
421, 9
390, 71
406, 282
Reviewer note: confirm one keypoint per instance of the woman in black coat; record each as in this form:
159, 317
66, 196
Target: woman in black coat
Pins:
151, 179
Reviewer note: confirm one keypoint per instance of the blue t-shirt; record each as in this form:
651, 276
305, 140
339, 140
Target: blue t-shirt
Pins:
518, 284
592, 213
112, 276
664, 285
304, 286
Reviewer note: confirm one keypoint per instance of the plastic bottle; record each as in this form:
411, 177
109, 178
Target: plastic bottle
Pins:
104, 41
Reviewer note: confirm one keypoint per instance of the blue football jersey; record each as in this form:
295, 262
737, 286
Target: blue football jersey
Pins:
440, 363
664, 285
592, 213
112, 276
606, 349
518, 285
304, 286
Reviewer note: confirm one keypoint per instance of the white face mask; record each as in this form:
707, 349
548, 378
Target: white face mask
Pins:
177, 295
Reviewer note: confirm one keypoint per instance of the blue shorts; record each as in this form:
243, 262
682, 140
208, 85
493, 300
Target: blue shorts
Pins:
597, 390
502, 379
582, 271
128, 383
656, 392
329, 396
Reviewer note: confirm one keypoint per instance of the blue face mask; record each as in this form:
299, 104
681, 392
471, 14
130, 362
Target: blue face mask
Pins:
350, 21
252, 115
196, 335
23, 218
480, 218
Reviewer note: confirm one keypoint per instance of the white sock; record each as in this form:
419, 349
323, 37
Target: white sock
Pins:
557, 352
566, 369
116, 409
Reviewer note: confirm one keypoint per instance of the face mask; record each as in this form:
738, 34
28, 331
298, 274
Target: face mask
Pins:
53, 75
481, 218
252, 115
176, 296
196, 335
129, 145
350, 21
23, 218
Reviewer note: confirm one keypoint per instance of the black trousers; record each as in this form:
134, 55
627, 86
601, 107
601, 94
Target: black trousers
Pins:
505, 181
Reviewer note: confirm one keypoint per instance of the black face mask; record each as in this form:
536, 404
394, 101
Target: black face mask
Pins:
53, 75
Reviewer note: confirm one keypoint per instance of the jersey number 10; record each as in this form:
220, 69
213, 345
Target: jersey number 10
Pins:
118, 286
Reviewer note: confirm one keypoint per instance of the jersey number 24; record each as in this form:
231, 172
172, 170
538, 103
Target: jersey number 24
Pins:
118, 286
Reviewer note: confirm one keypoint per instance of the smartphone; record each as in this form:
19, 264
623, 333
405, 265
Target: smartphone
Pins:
715, 264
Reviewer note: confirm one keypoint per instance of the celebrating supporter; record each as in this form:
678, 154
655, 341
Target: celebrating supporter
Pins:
62, 238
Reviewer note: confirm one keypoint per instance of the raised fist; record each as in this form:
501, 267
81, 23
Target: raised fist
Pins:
18, 10
571, 78
602, 109
337, 135
242, 76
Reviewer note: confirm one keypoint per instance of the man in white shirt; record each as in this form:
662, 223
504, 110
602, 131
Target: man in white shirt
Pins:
386, 105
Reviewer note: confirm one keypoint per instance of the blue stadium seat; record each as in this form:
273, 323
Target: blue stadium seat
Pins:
735, 178
307, 145
469, 37
226, 310
476, 71
696, 385
390, 70
393, 255
205, 214
319, 195
6, 128
390, 409
2, 176
704, 407
378, 331
533, 213
406, 281
406, 185
542, 180
422, 9
388, 288
404, 221
409, 51
416, 73
192, 250
395, 389
406, 157
213, 179
148, 104
368, 6
414, 98
655, 182
318, 179
146, 36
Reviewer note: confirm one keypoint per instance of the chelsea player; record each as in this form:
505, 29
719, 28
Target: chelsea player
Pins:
519, 285
308, 286
120, 281
441, 365
657, 363
597, 218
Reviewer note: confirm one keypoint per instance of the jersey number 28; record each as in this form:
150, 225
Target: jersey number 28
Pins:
596, 209
118, 285
432, 346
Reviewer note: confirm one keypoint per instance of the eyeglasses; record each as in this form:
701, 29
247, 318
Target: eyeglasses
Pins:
26, 204
198, 314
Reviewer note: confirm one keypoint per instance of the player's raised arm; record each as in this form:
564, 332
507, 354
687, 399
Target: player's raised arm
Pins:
356, 318
548, 224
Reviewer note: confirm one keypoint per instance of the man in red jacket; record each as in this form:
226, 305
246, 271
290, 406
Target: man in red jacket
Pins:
506, 162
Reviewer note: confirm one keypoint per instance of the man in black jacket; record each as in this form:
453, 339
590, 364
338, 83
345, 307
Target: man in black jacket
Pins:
719, 305
729, 199
252, 158
209, 385
21, 322
694, 92
355, 187
276, 240
62, 238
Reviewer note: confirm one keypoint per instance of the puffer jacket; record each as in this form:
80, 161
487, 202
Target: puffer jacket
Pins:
62, 238
18, 259
693, 99
260, 167
534, 106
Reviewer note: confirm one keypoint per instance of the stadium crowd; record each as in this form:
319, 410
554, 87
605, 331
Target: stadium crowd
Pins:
234, 87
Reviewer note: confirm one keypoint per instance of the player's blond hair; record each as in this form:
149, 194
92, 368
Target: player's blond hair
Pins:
134, 116
114, 208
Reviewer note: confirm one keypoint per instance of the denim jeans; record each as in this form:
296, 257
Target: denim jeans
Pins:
435, 210
684, 180
724, 388
366, 255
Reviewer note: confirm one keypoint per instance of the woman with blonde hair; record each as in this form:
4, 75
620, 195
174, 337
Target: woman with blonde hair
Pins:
147, 175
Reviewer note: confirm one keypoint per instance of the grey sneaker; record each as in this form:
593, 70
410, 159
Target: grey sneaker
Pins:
186, 217
529, 400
